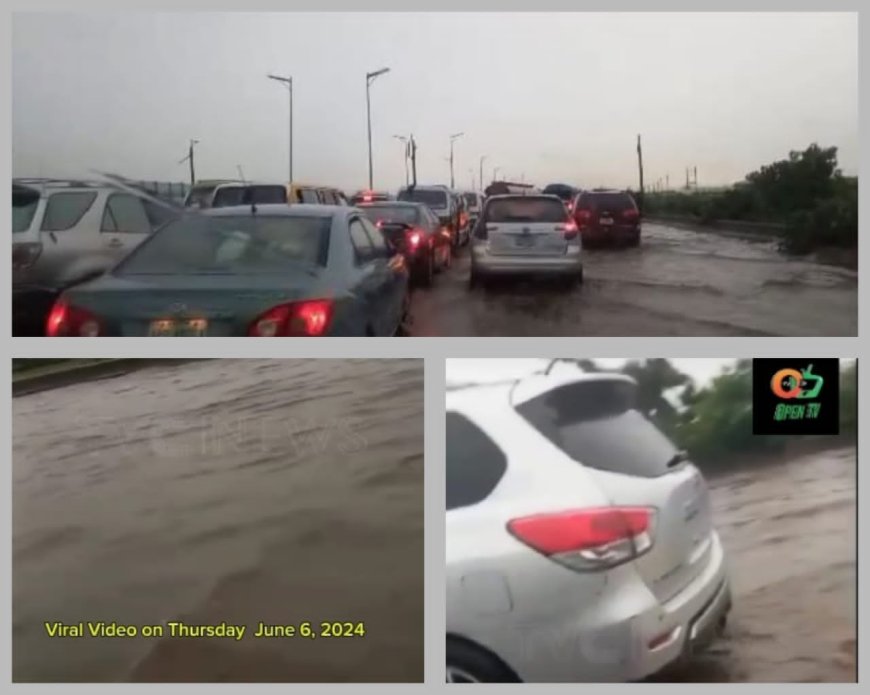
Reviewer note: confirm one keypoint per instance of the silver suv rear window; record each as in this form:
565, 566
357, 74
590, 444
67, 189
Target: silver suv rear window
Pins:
64, 210
597, 424
526, 209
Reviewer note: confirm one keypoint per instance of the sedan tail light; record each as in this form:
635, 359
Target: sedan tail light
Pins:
308, 318
67, 321
630, 214
25, 255
414, 237
588, 539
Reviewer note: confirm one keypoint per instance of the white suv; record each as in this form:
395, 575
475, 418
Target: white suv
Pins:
66, 232
580, 544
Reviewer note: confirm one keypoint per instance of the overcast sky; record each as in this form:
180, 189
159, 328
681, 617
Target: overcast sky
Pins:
553, 97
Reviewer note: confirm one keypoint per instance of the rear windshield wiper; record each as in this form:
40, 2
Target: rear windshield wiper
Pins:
677, 459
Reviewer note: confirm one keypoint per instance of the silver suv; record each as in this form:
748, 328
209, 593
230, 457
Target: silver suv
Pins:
66, 232
580, 544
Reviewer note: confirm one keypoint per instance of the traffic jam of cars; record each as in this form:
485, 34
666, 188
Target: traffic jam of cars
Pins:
235, 258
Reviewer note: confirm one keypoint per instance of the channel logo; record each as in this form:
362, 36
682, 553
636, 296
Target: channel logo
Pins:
792, 383
796, 396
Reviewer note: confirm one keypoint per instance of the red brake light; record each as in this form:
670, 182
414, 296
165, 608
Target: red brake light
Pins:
379, 224
415, 238
309, 318
65, 321
630, 214
588, 538
570, 230
367, 197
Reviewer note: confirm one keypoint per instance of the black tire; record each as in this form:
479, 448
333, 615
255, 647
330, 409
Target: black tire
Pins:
473, 280
477, 664
426, 271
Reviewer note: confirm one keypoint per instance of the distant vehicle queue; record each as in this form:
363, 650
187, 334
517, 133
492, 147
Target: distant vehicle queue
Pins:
273, 259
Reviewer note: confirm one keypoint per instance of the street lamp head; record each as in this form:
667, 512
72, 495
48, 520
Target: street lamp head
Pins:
278, 78
372, 75
456, 135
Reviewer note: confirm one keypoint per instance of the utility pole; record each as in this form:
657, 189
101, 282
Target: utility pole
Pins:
453, 138
473, 186
495, 171
189, 158
667, 182
413, 145
241, 173
687, 178
481, 171
370, 77
696, 178
288, 82
640, 170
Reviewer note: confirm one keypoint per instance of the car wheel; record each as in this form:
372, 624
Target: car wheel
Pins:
428, 274
473, 280
469, 664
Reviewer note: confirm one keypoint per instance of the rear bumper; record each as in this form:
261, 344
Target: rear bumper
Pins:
484, 263
611, 642
614, 234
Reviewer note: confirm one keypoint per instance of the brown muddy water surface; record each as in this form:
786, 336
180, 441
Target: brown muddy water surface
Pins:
789, 529
233, 491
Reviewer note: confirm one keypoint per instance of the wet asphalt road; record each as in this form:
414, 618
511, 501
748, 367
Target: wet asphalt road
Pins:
789, 531
280, 491
679, 282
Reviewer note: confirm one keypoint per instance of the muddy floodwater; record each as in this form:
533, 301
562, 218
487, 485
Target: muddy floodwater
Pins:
678, 282
790, 531
223, 491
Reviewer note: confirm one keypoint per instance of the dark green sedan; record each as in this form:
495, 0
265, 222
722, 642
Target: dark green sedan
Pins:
269, 270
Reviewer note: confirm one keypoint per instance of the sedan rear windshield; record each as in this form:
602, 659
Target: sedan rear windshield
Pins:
399, 213
434, 199
24, 202
526, 209
199, 244
612, 202
597, 424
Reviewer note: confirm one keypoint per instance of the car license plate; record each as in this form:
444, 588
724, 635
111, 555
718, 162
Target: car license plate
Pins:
187, 328
606, 221
524, 242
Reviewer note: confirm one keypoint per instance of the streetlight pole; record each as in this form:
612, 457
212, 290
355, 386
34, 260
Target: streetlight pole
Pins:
405, 149
453, 138
370, 77
495, 173
481, 171
288, 82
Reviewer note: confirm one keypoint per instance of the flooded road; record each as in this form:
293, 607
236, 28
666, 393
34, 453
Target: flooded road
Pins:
678, 282
789, 531
235, 491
